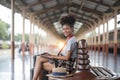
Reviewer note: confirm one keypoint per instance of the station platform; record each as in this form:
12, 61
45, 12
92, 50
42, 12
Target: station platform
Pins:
96, 59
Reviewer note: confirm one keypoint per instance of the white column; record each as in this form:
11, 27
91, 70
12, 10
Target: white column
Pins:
115, 26
107, 32
98, 35
95, 36
23, 45
30, 42
38, 38
23, 36
103, 31
41, 39
30, 35
12, 38
33, 36
115, 33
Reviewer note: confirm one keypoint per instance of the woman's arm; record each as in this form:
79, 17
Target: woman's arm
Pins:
67, 57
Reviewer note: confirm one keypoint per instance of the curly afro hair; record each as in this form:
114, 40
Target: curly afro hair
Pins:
68, 19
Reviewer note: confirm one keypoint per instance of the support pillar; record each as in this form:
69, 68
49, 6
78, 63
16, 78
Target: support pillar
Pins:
38, 38
12, 39
103, 46
98, 39
95, 45
107, 37
115, 33
30, 36
33, 37
23, 46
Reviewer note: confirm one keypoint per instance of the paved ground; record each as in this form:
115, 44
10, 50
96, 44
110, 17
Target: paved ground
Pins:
101, 59
5, 64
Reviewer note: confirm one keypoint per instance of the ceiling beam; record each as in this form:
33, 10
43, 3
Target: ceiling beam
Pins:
54, 14
99, 2
36, 3
57, 18
83, 14
78, 19
46, 14
98, 13
81, 18
85, 22
85, 27
82, 29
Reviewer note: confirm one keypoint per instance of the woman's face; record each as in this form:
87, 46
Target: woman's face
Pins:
67, 30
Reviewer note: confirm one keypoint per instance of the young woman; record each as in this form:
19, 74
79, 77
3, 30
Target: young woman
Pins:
43, 63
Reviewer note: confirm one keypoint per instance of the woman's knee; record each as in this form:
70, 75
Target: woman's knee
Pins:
45, 66
34, 78
38, 57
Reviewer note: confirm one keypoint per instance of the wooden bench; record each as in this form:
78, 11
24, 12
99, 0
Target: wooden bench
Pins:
85, 71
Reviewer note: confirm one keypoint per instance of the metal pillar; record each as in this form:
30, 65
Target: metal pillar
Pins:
30, 42
38, 38
98, 45
103, 42
98, 39
107, 37
12, 39
23, 46
115, 34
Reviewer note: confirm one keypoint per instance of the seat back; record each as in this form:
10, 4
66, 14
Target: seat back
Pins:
83, 57
79, 57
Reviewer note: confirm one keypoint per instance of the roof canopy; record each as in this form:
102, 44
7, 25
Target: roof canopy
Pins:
47, 12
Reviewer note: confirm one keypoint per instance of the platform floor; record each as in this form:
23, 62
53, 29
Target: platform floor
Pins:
107, 61
96, 59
